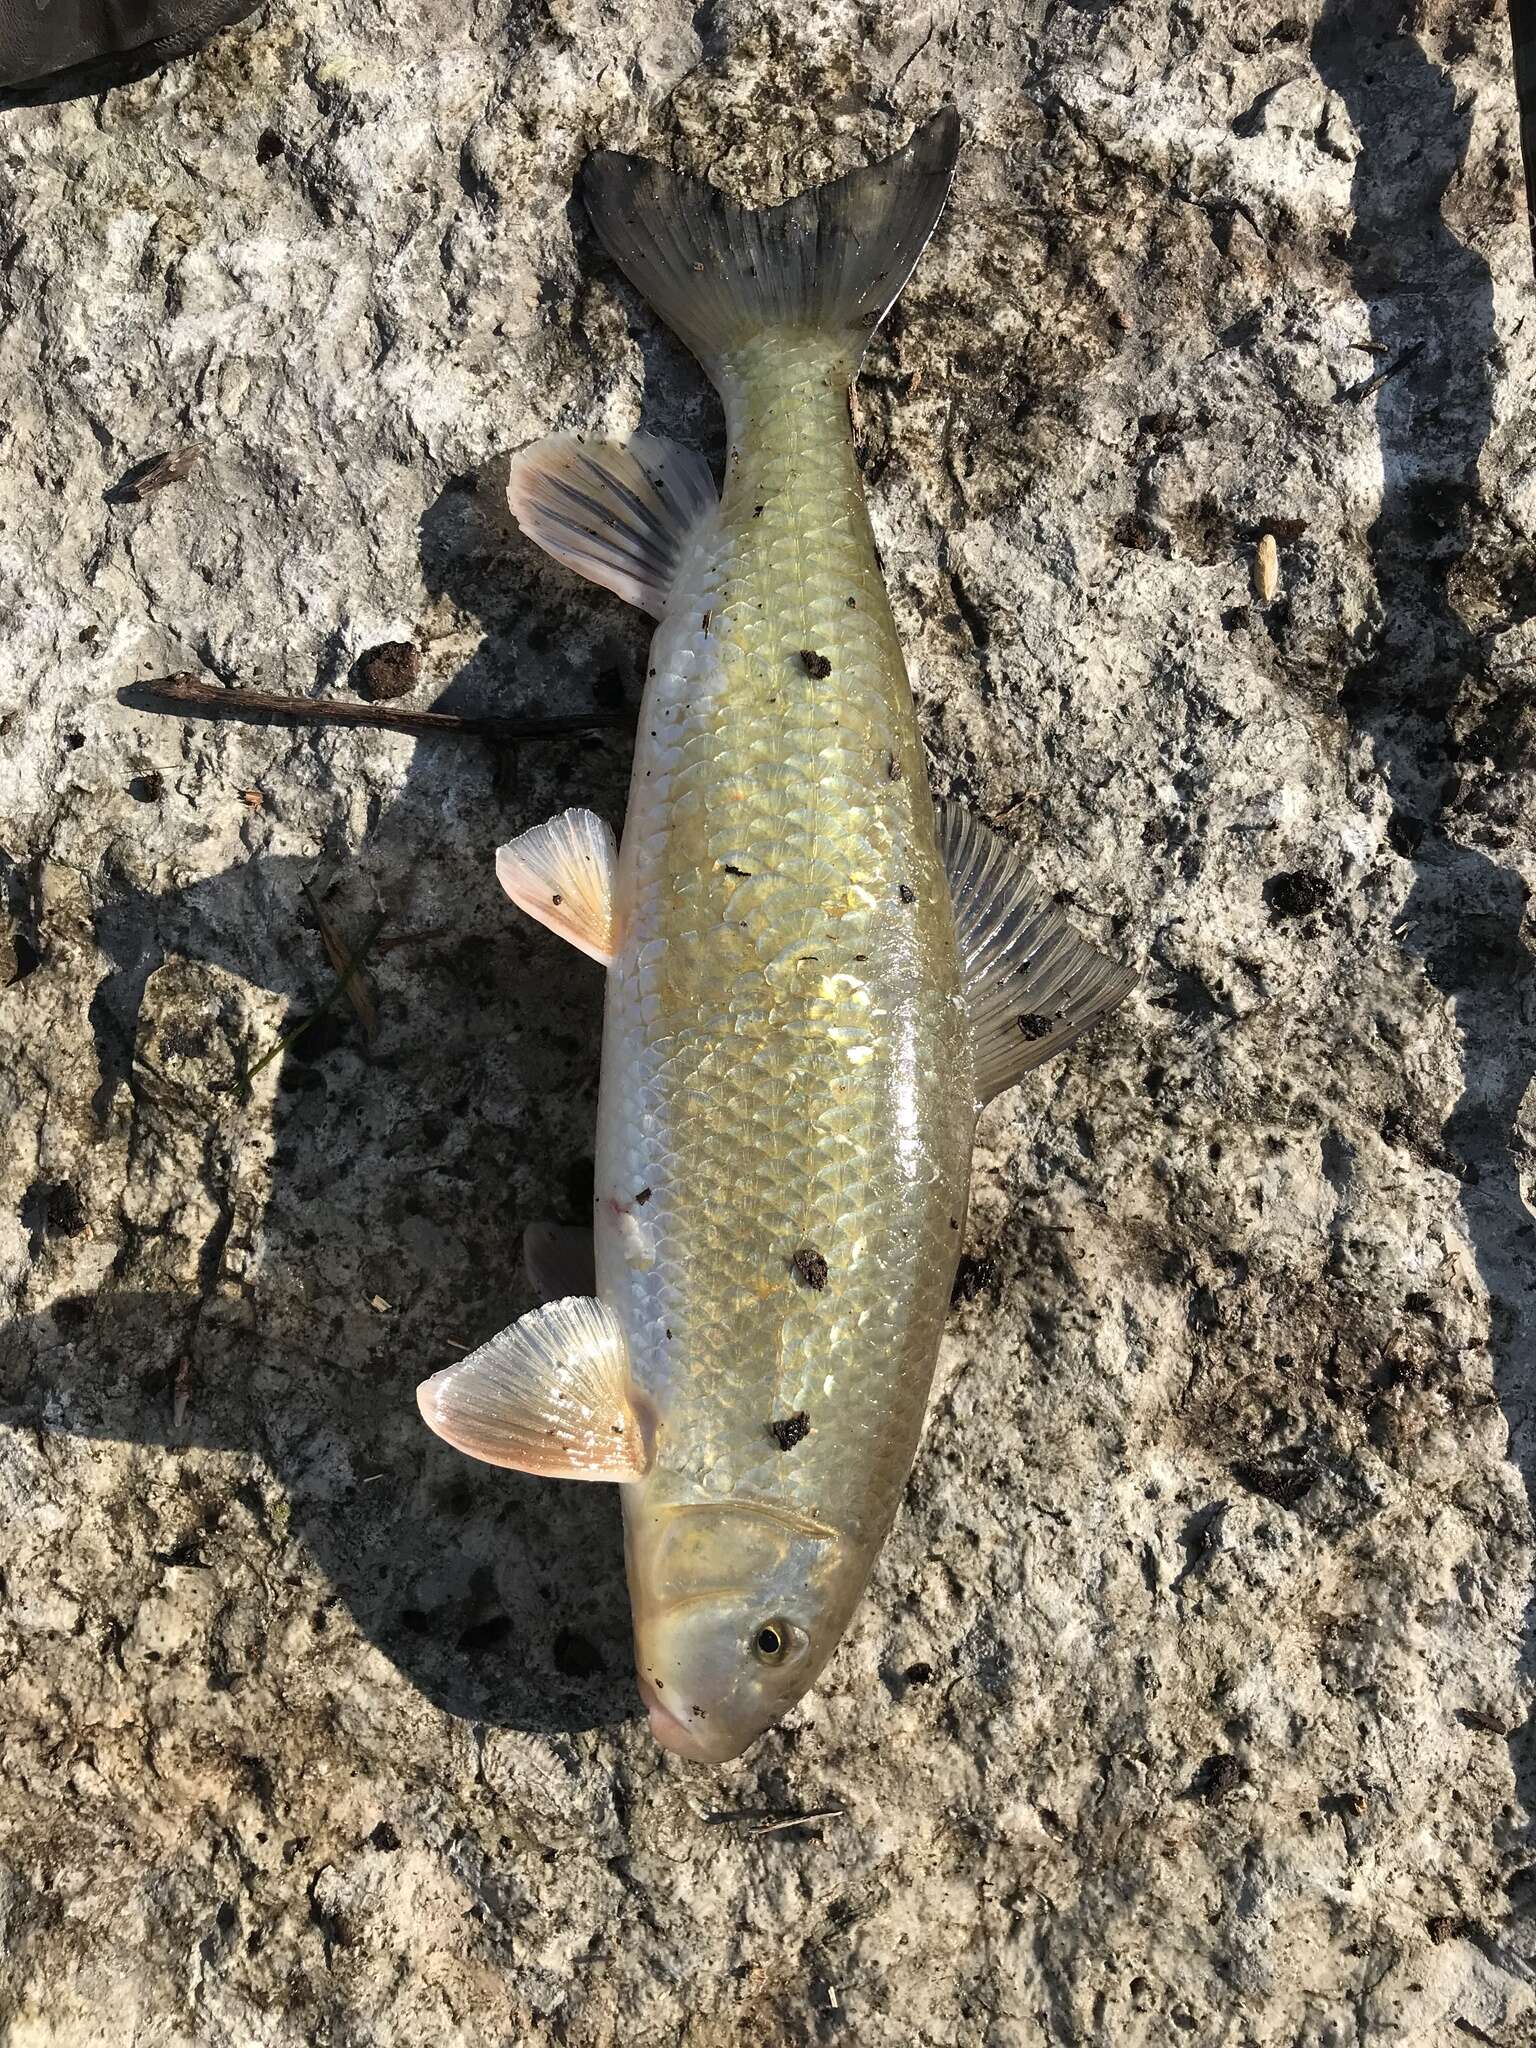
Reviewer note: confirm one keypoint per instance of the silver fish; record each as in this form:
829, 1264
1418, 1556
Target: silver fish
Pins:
815, 975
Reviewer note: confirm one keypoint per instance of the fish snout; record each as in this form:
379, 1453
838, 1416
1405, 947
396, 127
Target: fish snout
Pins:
692, 1738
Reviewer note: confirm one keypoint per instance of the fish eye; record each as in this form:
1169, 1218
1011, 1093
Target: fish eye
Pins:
771, 1643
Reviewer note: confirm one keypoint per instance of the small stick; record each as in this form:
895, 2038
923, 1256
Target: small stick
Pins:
1372, 385
798, 1820
195, 698
761, 1821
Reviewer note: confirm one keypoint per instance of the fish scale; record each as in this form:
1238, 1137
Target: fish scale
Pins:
763, 1031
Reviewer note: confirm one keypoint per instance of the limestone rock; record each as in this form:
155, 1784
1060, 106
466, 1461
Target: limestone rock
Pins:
1181, 1707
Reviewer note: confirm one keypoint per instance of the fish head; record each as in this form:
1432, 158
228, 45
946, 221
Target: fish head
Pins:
737, 1606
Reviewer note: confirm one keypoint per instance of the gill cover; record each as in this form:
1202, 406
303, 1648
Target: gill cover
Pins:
737, 1605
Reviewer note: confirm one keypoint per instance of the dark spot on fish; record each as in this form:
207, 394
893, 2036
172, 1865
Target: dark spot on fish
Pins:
817, 665
1033, 1025
556, 899
757, 511
669, 1336
642, 1198
852, 602
787, 1430
809, 1268
745, 873
954, 1223
860, 958
907, 893
707, 617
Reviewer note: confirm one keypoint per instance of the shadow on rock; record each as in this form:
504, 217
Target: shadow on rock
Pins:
1441, 723
402, 1172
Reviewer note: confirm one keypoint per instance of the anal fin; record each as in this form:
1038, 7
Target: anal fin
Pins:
1032, 985
562, 874
551, 1396
618, 513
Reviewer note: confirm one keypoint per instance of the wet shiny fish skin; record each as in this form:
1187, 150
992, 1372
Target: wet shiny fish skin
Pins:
814, 979
786, 1061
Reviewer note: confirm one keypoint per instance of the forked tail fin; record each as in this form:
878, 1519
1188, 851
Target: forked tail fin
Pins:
830, 262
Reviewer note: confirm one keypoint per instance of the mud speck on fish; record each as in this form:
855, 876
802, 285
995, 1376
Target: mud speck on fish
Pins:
809, 1268
788, 1430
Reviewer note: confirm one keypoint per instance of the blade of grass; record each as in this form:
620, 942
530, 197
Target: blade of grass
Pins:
329, 1002
353, 985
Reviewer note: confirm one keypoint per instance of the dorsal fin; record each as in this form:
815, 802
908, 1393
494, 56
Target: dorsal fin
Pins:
1031, 984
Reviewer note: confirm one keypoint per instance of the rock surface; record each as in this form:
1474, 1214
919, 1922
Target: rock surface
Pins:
1179, 1707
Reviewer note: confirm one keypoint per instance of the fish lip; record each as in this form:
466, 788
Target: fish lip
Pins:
675, 1734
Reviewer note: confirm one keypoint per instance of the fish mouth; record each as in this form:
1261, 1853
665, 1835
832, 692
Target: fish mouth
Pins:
673, 1733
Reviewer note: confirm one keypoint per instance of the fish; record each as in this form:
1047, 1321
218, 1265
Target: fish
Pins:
816, 975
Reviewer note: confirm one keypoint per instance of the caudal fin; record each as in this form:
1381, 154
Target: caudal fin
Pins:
830, 262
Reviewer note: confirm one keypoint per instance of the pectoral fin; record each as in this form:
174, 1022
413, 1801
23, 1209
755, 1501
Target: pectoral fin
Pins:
562, 874
551, 1396
618, 513
1032, 985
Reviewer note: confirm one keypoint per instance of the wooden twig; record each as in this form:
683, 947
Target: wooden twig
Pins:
1360, 392
192, 697
761, 1820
